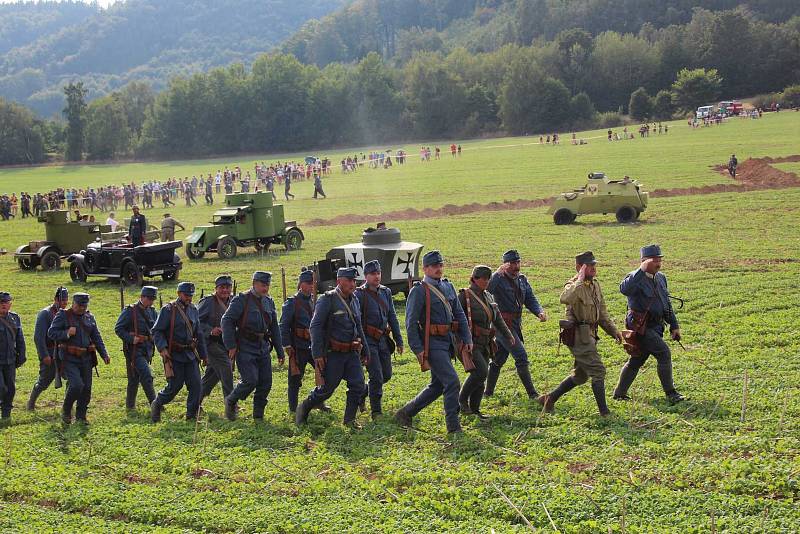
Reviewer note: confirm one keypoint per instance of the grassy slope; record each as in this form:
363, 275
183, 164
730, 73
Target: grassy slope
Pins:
662, 468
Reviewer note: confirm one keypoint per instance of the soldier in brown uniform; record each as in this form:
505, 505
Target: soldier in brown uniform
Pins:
484, 321
168, 224
586, 309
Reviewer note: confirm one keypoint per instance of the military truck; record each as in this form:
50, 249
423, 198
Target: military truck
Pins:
62, 237
624, 198
248, 219
400, 260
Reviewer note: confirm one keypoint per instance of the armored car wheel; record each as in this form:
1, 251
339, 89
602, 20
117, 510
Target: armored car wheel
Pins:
77, 272
563, 216
626, 214
226, 248
294, 239
194, 253
26, 264
51, 260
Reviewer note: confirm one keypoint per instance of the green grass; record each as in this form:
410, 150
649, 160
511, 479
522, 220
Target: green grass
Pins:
651, 467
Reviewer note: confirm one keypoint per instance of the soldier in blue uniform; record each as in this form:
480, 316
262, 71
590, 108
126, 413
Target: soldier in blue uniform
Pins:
211, 310
137, 227
12, 353
133, 328
337, 345
378, 318
180, 342
295, 324
46, 347
431, 337
512, 292
249, 331
79, 341
649, 306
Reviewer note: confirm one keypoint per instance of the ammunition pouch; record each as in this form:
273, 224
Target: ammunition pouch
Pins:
249, 335
566, 334
302, 333
631, 343
443, 329
338, 346
375, 332
180, 347
510, 317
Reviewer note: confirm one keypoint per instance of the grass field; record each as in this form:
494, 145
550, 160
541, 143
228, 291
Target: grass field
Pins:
714, 463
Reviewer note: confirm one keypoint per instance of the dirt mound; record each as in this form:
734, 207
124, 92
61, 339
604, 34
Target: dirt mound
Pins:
754, 174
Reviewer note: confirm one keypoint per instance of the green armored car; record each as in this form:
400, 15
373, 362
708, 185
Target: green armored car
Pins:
624, 198
248, 219
62, 237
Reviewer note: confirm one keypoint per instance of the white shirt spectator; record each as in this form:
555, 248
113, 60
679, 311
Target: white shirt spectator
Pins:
112, 223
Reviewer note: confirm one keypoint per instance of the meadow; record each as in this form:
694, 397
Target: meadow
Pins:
725, 460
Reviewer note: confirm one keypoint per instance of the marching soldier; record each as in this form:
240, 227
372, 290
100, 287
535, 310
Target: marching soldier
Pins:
79, 341
512, 291
433, 314
379, 319
337, 347
295, 323
12, 353
485, 321
46, 347
586, 310
180, 342
133, 328
249, 331
211, 310
649, 307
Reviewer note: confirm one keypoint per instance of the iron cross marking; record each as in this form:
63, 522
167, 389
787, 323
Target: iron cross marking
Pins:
408, 262
354, 262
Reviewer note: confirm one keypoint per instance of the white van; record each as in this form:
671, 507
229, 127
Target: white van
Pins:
704, 111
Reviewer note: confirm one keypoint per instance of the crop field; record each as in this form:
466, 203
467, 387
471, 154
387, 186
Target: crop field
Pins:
725, 460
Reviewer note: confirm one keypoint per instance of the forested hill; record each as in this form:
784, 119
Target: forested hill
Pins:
398, 28
45, 44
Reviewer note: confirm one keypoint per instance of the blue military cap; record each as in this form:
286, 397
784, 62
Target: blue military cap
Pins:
432, 258
61, 293
651, 251
306, 276
510, 255
186, 287
5, 296
149, 291
373, 266
81, 298
347, 272
262, 276
223, 280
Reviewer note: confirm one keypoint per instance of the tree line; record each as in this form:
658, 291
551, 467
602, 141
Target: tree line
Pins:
575, 80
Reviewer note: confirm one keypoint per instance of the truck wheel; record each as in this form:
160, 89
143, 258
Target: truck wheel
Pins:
168, 276
77, 272
563, 216
194, 253
226, 248
626, 214
294, 239
51, 260
26, 264
130, 274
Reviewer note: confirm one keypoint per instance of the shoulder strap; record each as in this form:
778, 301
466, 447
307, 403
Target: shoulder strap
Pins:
375, 296
243, 318
485, 307
468, 296
427, 344
346, 307
440, 296
515, 287
8, 324
135, 319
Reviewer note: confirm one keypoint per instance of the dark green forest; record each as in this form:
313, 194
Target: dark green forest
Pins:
379, 71
45, 45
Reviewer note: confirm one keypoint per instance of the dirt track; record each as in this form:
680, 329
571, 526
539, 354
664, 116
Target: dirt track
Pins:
752, 175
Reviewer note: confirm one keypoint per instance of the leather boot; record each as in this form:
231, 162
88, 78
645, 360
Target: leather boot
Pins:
463, 402
155, 411
350, 410
455, 428
323, 407
491, 380
626, 378
130, 403
66, 414
292, 394
230, 410
525, 375
150, 393
403, 417
31, 405
549, 400
664, 371
301, 415
599, 390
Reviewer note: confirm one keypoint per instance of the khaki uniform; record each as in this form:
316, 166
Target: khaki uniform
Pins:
168, 228
483, 327
586, 307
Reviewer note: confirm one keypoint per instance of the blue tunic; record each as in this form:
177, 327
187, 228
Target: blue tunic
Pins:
296, 312
331, 320
255, 323
440, 314
145, 319
375, 315
511, 294
45, 346
181, 334
86, 332
643, 291
12, 341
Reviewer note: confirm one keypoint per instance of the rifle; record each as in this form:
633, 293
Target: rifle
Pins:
283, 282
314, 284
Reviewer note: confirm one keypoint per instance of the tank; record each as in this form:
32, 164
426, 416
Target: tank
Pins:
400, 260
624, 198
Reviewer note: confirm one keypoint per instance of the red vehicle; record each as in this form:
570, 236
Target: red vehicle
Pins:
731, 107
